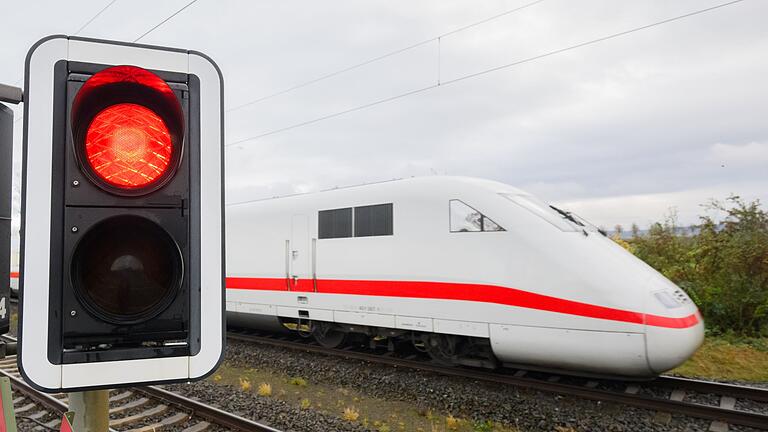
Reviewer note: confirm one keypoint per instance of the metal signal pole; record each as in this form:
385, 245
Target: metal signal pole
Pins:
91, 410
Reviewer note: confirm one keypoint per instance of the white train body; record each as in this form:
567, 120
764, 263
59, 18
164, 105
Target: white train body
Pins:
545, 291
14, 273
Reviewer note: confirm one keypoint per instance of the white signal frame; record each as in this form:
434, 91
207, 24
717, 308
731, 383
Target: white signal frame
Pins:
36, 216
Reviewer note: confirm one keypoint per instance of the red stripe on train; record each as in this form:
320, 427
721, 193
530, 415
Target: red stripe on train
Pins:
15, 275
462, 291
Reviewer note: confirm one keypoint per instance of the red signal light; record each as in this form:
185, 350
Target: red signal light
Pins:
128, 130
127, 74
128, 146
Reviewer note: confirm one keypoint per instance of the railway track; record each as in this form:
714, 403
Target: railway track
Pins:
136, 409
724, 404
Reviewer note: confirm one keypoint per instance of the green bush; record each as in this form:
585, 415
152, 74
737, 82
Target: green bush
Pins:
721, 264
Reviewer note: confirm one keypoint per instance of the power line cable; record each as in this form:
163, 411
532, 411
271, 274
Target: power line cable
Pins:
336, 114
87, 23
381, 57
164, 21
82, 27
483, 72
593, 41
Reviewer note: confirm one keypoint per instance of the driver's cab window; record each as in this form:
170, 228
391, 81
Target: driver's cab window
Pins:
466, 219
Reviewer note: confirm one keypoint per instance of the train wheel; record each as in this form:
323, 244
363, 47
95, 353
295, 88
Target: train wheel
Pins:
440, 347
327, 336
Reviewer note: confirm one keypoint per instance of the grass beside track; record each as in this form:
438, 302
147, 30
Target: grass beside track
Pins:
352, 406
722, 358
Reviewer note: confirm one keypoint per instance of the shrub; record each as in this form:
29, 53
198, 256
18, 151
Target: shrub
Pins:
483, 426
245, 384
298, 381
350, 414
451, 422
265, 389
721, 264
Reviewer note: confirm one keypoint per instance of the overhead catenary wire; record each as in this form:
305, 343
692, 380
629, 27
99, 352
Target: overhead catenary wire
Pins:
483, 72
82, 27
164, 21
93, 18
382, 57
336, 114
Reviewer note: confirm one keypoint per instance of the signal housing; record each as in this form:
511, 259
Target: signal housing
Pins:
122, 215
6, 167
96, 212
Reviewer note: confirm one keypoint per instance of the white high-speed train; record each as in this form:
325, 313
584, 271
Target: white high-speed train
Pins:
15, 282
14, 273
471, 271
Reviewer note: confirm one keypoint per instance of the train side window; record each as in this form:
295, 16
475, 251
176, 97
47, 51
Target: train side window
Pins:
489, 225
373, 220
336, 223
466, 219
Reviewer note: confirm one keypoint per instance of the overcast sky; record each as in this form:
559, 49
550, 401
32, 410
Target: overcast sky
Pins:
619, 131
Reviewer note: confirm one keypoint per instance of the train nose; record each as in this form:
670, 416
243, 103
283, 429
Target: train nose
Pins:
674, 329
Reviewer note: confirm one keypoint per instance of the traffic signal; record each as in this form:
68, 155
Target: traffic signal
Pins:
122, 269
6, 167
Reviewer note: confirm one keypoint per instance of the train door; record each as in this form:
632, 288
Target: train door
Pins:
299, 259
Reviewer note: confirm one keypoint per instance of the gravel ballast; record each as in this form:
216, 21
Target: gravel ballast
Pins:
525, 409
269, 411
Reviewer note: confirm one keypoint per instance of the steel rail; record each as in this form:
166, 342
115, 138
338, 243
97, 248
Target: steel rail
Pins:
215, 415
725, 389
735, 417
48, 401
44, 399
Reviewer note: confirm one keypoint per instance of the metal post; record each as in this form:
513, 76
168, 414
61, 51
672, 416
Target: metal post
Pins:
91, 410
11, 94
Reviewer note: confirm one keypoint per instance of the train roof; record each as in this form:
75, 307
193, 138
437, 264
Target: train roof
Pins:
422, 184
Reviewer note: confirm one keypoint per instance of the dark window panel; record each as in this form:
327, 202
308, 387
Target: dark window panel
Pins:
336, 223
373, 220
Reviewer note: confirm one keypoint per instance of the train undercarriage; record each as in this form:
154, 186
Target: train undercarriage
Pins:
444, 349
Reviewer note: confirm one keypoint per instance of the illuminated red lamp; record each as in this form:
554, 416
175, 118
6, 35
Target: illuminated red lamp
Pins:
128, 145
128, 130
127, 74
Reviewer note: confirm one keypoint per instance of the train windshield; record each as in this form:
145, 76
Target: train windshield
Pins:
589, 226
559, 218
